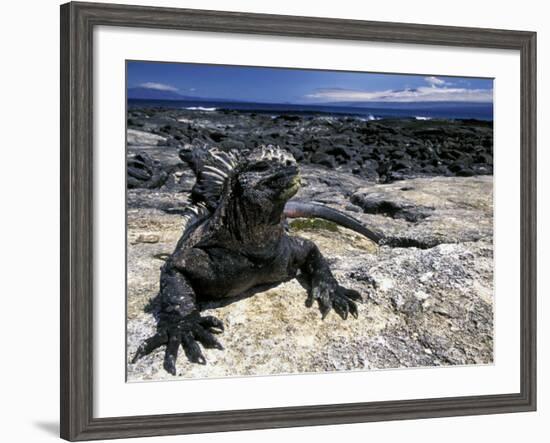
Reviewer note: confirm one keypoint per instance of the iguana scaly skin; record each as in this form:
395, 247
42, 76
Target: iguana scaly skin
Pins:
234, 241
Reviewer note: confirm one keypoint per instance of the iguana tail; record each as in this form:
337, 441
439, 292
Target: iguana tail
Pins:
310, 210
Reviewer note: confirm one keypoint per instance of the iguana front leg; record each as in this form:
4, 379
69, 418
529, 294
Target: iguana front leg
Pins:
316, 276
180, 323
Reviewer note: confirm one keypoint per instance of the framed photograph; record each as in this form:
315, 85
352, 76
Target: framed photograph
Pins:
272, 221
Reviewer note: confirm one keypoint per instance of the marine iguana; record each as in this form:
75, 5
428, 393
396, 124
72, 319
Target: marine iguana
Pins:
234, 241
144, 172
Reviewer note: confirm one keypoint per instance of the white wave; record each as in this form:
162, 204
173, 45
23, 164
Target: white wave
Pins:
200, 108
419, 117
369, 118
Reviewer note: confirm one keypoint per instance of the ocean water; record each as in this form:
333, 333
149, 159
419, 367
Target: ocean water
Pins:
374, 111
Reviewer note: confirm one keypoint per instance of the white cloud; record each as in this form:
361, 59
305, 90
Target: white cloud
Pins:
421, 94
158, 86
434, 81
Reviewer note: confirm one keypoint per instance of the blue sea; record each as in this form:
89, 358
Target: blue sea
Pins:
374, 111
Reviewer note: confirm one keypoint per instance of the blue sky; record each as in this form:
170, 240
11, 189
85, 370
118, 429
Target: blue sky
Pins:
279, 85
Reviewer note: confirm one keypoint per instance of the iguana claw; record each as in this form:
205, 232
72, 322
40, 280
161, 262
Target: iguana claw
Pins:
186, 332
330, 295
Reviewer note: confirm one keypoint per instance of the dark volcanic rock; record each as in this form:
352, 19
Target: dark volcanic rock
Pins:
384, 151
321, 158
394, 206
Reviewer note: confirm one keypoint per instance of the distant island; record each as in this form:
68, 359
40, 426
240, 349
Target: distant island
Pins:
141, 93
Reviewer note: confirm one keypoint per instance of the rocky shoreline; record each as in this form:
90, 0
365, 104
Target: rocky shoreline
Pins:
430, 300
382, 151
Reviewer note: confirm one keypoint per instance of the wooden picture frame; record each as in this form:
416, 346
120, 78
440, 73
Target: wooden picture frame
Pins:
77, 23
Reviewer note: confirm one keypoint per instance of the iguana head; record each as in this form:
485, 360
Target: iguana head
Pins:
269, 176
246, 188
